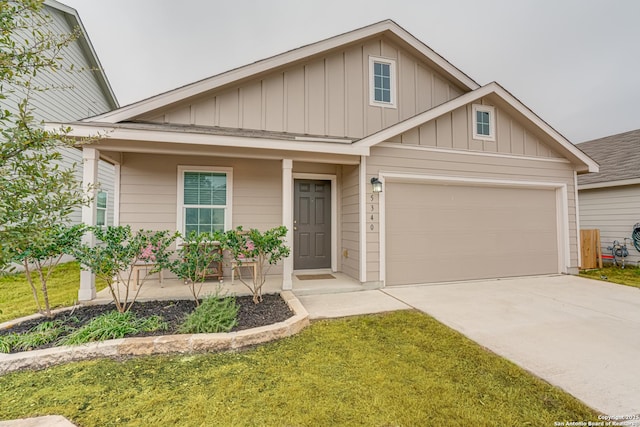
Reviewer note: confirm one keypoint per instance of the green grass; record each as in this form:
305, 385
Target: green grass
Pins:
397, 369
16, 298
630, 275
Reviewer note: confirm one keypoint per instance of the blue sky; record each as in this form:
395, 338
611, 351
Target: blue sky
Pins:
575, 63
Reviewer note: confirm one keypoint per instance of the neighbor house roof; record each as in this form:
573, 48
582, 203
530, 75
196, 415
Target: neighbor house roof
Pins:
85, 43
387, 27
618, 157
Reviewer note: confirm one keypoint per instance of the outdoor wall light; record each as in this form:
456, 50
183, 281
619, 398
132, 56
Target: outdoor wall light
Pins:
377, 185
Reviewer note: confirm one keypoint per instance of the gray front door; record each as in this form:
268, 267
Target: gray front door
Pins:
311, 224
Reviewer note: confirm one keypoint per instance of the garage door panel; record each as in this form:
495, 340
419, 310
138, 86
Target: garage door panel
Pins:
437, 233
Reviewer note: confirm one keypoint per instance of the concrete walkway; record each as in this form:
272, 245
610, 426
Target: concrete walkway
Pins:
579, 334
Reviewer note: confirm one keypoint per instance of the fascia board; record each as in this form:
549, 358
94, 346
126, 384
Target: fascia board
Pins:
80, 130
179, 94
491, 88
618, 183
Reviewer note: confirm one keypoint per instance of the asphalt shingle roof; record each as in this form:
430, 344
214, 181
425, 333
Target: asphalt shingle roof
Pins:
618, 157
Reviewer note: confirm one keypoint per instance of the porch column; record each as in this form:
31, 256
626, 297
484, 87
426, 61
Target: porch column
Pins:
90, 157
287, 220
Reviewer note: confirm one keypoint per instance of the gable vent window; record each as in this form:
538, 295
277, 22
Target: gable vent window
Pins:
382, 74
484, 123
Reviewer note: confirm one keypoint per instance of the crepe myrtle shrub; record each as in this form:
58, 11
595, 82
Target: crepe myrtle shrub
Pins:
194, 256
118, 249
266, 249
41, 253
36, 190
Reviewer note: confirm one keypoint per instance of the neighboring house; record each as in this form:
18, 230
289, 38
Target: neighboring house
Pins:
610, 200
77, 94
474, 184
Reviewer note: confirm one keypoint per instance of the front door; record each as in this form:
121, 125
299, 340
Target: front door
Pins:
311, 224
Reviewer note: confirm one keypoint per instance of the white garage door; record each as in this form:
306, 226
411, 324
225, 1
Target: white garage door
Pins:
441, 233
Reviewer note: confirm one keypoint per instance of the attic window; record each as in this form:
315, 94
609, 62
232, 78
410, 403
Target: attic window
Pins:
484, 122
382, 76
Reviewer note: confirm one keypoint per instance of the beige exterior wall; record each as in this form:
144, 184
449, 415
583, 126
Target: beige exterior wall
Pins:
425, 161
614, 211
149, 191
455, 131
328, 95
149, 185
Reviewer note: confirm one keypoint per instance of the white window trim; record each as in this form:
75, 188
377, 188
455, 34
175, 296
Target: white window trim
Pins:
180, 199
105, 209
394, 90
492, 122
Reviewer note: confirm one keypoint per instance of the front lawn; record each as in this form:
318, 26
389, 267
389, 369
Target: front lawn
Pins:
630, 275
402, 368
16, 298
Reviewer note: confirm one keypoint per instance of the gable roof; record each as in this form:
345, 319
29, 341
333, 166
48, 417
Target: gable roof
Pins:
619, 159
386, 27
509, 101
85, 44
273, 140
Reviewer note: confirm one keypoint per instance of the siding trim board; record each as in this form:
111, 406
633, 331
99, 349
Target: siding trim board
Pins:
562, 211
472, 153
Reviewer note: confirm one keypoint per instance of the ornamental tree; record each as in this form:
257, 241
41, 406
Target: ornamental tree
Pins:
266, 249
197, 252
36, 193
117, 251
40, 256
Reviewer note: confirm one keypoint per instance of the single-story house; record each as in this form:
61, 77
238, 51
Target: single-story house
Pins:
610, 199
473, 184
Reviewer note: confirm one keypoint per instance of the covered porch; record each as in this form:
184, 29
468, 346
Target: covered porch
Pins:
302, 284
261, 178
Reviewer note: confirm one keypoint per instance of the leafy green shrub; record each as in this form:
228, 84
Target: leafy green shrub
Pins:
214, 314
113, 325
266, 249
118, 250
7, 342
40, 256
195, 255
44, 333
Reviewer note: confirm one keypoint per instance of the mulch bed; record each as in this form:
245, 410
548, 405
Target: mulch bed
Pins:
271, 310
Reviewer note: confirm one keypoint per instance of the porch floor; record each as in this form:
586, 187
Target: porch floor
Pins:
151, 289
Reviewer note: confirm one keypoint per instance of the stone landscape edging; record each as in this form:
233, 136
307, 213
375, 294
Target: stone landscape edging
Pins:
165, 344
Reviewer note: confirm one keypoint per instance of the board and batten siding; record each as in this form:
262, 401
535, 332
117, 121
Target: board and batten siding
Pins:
614, 211
326, 95
454, 130
425, 161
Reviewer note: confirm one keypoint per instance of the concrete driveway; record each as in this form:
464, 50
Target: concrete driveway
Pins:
581, 335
